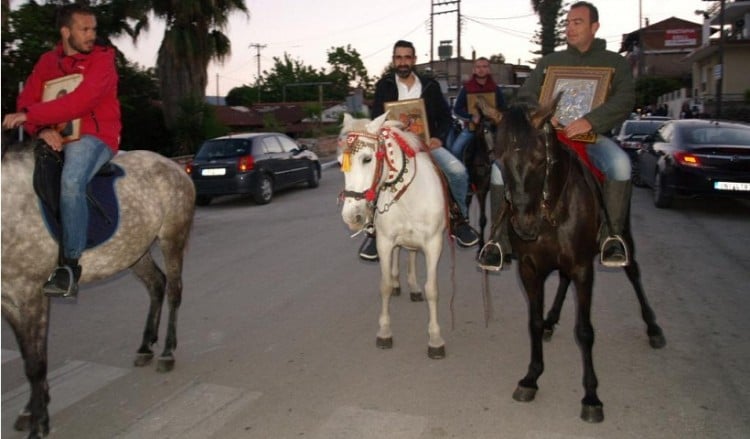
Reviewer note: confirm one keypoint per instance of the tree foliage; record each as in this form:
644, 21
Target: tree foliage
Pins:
551, 33
648, 89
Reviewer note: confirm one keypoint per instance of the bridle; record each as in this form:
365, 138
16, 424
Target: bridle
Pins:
549, 209
383, 146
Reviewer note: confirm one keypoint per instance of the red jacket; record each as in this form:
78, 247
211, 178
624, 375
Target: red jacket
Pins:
94, 100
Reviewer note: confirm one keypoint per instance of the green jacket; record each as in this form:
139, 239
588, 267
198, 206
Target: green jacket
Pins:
621, 97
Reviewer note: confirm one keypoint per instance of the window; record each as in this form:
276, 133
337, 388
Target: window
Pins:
288, 144
271, 145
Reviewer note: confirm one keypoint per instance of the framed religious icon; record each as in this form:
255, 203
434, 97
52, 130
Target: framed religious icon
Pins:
583, 89
412, 114
56, 88
472, 98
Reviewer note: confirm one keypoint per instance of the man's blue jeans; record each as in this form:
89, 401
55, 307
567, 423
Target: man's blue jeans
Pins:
459, 144
455, 173
609, 158
83, 158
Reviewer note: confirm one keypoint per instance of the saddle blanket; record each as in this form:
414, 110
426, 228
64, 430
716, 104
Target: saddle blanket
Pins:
580, 150
104, 211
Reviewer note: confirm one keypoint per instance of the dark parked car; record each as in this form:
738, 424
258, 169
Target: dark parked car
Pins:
253, 163
689, 157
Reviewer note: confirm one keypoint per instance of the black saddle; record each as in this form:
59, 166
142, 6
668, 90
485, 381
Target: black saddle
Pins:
103, 205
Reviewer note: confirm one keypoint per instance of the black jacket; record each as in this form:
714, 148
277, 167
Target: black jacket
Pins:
438, 111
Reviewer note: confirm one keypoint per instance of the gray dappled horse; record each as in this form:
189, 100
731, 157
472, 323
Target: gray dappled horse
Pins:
157, 201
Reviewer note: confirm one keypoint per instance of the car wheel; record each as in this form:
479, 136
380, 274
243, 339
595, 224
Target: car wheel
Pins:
313, 180
662, 196
264, 191
202, 200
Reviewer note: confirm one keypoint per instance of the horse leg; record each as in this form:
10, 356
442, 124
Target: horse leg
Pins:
553, 315
415, 293
591, 407
533, 284
384, 338
482, 199
152, 277
395, 280
30, 325
174, 252
655, 335
436, 344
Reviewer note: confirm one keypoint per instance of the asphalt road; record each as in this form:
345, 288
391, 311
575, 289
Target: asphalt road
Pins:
277, 339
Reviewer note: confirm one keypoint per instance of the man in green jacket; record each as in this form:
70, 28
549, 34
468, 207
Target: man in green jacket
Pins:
584, 50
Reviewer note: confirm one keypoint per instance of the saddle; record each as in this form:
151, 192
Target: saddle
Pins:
100, 193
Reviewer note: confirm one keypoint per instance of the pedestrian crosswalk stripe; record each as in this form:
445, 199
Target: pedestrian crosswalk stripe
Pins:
9, 355
350, 422
68, 384
196, 411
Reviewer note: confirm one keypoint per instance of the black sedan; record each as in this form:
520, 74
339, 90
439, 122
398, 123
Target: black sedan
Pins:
691, 157
257, 164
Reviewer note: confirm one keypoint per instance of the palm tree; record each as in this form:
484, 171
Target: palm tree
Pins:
193, 37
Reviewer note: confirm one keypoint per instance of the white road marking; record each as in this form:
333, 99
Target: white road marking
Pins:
196, 411
352, 422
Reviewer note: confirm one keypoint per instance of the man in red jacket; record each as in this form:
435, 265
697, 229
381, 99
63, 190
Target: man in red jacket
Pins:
94, 101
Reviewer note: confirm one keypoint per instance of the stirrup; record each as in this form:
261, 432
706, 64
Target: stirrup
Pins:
482, 253
51, 289
608, 263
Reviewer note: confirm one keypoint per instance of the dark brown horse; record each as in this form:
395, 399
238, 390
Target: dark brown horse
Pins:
554, 216
478, 160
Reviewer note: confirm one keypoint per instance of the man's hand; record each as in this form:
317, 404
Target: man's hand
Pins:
578, 126
52, 138
14, 120
435, 143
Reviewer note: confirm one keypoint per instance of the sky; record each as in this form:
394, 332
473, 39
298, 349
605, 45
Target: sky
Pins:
307, 29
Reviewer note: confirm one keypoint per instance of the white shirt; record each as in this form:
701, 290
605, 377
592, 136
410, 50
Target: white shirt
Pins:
415, 92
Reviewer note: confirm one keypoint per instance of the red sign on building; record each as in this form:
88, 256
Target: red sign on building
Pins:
680, 37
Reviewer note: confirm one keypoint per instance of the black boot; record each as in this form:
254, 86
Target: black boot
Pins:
496, 253
369, 250
63, 282
614, 251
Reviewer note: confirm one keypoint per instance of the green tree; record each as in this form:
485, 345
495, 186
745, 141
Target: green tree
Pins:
348, 70
285, 72
193, 37
648, 89
551, 32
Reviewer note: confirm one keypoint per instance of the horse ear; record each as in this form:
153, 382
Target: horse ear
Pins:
375, 125
545, 113
347, 120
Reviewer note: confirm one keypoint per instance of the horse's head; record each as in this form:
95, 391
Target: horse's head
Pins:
357, 153
524, 138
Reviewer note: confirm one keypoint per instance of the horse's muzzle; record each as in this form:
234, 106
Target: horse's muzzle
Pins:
355, 214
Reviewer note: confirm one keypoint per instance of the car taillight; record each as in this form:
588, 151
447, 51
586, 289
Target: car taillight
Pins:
687, 159
245, 163
189, 167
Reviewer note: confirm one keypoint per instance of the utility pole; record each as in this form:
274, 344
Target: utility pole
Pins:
257, 80
433, 13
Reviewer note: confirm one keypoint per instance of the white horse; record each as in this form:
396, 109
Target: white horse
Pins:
391, 181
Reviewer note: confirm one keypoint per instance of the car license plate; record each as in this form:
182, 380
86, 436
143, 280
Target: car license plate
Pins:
731, 186
213, 171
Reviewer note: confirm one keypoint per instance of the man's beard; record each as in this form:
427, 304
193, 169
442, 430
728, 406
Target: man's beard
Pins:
79, 47
404, 71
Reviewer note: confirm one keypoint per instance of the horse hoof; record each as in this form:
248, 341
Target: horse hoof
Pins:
23, 422
547, 334
417, 297
592, 413
436, 353
165, 364
657, 341
524, 394
384, 343
396, 291
142, 359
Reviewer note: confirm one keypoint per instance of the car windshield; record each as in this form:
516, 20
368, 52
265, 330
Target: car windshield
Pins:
717, 135
223, 149
642, 127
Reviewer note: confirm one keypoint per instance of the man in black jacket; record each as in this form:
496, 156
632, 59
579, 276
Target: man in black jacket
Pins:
404, 83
